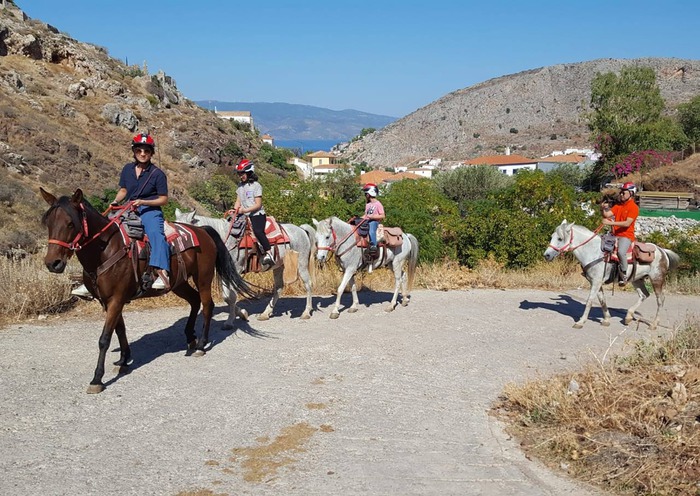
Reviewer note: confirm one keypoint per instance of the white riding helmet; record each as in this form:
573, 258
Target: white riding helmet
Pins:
371, 190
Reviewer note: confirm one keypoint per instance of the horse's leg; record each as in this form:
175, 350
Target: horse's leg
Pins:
114, 313
233, 309
277, 273
347, 275
355, 300
658, 285
604, 307
397, 283
188, 293
124, 349
306, 279
643, 294
595, 288
207, 303
405, 295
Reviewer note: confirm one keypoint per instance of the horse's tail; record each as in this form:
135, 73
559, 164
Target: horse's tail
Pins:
225, 268
673, 259
311, 233
412, 260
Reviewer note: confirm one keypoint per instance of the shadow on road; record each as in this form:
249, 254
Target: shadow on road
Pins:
569, 306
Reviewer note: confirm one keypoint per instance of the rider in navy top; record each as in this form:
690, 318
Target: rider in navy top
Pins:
147, 187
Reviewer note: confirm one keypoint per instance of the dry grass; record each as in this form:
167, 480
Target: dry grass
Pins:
630, 425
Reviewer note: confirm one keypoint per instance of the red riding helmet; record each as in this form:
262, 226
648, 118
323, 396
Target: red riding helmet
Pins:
143, 139
370, 189
629, 186
245, 165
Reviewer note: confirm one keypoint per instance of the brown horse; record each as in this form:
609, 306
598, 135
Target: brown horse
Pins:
109, 273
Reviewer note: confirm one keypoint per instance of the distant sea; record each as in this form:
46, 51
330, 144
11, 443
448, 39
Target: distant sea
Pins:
307, 145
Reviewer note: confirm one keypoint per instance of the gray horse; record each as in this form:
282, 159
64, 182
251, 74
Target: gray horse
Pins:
301, 240
333, 234
587, 248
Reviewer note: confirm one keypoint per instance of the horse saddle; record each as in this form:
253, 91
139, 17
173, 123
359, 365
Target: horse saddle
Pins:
641, 252
274, 232
180, 237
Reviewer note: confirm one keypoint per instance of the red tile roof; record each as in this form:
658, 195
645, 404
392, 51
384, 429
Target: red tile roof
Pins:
500, 160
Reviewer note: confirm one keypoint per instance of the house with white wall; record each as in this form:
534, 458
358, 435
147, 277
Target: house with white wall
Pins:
266, 138
507, 164
242, 116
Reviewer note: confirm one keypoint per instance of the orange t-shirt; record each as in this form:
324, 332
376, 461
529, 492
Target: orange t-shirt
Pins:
622, 212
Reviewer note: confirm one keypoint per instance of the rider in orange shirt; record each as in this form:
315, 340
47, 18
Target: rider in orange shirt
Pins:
622, 217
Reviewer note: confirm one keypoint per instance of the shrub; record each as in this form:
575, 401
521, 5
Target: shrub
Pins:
641, 161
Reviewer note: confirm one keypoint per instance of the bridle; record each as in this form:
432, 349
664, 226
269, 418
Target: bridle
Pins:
77, 244
335, 244
569, 246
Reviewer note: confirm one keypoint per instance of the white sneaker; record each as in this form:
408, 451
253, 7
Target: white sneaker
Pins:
81, 291
158, 284
267, 260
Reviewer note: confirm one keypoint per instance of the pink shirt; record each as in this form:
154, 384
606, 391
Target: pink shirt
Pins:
374, 207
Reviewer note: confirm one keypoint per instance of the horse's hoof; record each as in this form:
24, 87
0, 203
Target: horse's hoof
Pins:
578, 326
199, 353
389, 308
334, 315
605, 323
121, 370
352, 310
243, 315
404, 303
627, 320
263, 316
95, 388
305, 316
192, 345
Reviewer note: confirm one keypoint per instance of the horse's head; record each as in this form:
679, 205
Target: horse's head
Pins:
66, 228
560, 241
325, 239
185, 217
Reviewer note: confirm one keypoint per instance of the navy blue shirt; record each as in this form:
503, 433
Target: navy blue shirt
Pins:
151, 184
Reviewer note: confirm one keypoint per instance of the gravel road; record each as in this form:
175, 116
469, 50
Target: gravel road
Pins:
373, 403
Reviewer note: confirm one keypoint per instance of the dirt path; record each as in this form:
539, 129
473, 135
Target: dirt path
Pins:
372, 403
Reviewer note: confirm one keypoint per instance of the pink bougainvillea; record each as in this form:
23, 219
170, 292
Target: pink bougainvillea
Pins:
641, 161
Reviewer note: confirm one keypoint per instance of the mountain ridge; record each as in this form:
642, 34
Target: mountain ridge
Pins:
532, 112
292, 121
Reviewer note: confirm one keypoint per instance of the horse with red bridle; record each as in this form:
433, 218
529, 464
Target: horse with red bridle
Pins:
113, 272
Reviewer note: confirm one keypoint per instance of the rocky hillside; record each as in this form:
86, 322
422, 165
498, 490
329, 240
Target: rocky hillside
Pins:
534, 112
67, 114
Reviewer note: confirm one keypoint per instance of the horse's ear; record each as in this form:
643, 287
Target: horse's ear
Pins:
314, 221
563, 223
77, 196
48, 197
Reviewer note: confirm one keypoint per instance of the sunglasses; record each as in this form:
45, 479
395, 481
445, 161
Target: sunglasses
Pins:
143, 150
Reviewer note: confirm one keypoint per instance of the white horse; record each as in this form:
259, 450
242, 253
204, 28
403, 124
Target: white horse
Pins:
332, 234
301, 239
587, 248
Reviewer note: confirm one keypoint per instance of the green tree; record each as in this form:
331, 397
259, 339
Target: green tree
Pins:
689, 118
217, 194
466, 184
626, 116
419, 208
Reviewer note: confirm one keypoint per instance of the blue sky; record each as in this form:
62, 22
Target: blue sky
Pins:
387, 57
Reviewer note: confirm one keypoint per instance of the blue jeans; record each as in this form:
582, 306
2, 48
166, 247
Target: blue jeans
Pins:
153, 225
373, 224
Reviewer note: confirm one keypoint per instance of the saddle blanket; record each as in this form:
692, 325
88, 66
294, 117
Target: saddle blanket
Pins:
273, 230
179, 236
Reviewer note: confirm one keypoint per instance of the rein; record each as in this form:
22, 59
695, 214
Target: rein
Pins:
569, 246
75, 245
335, 244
